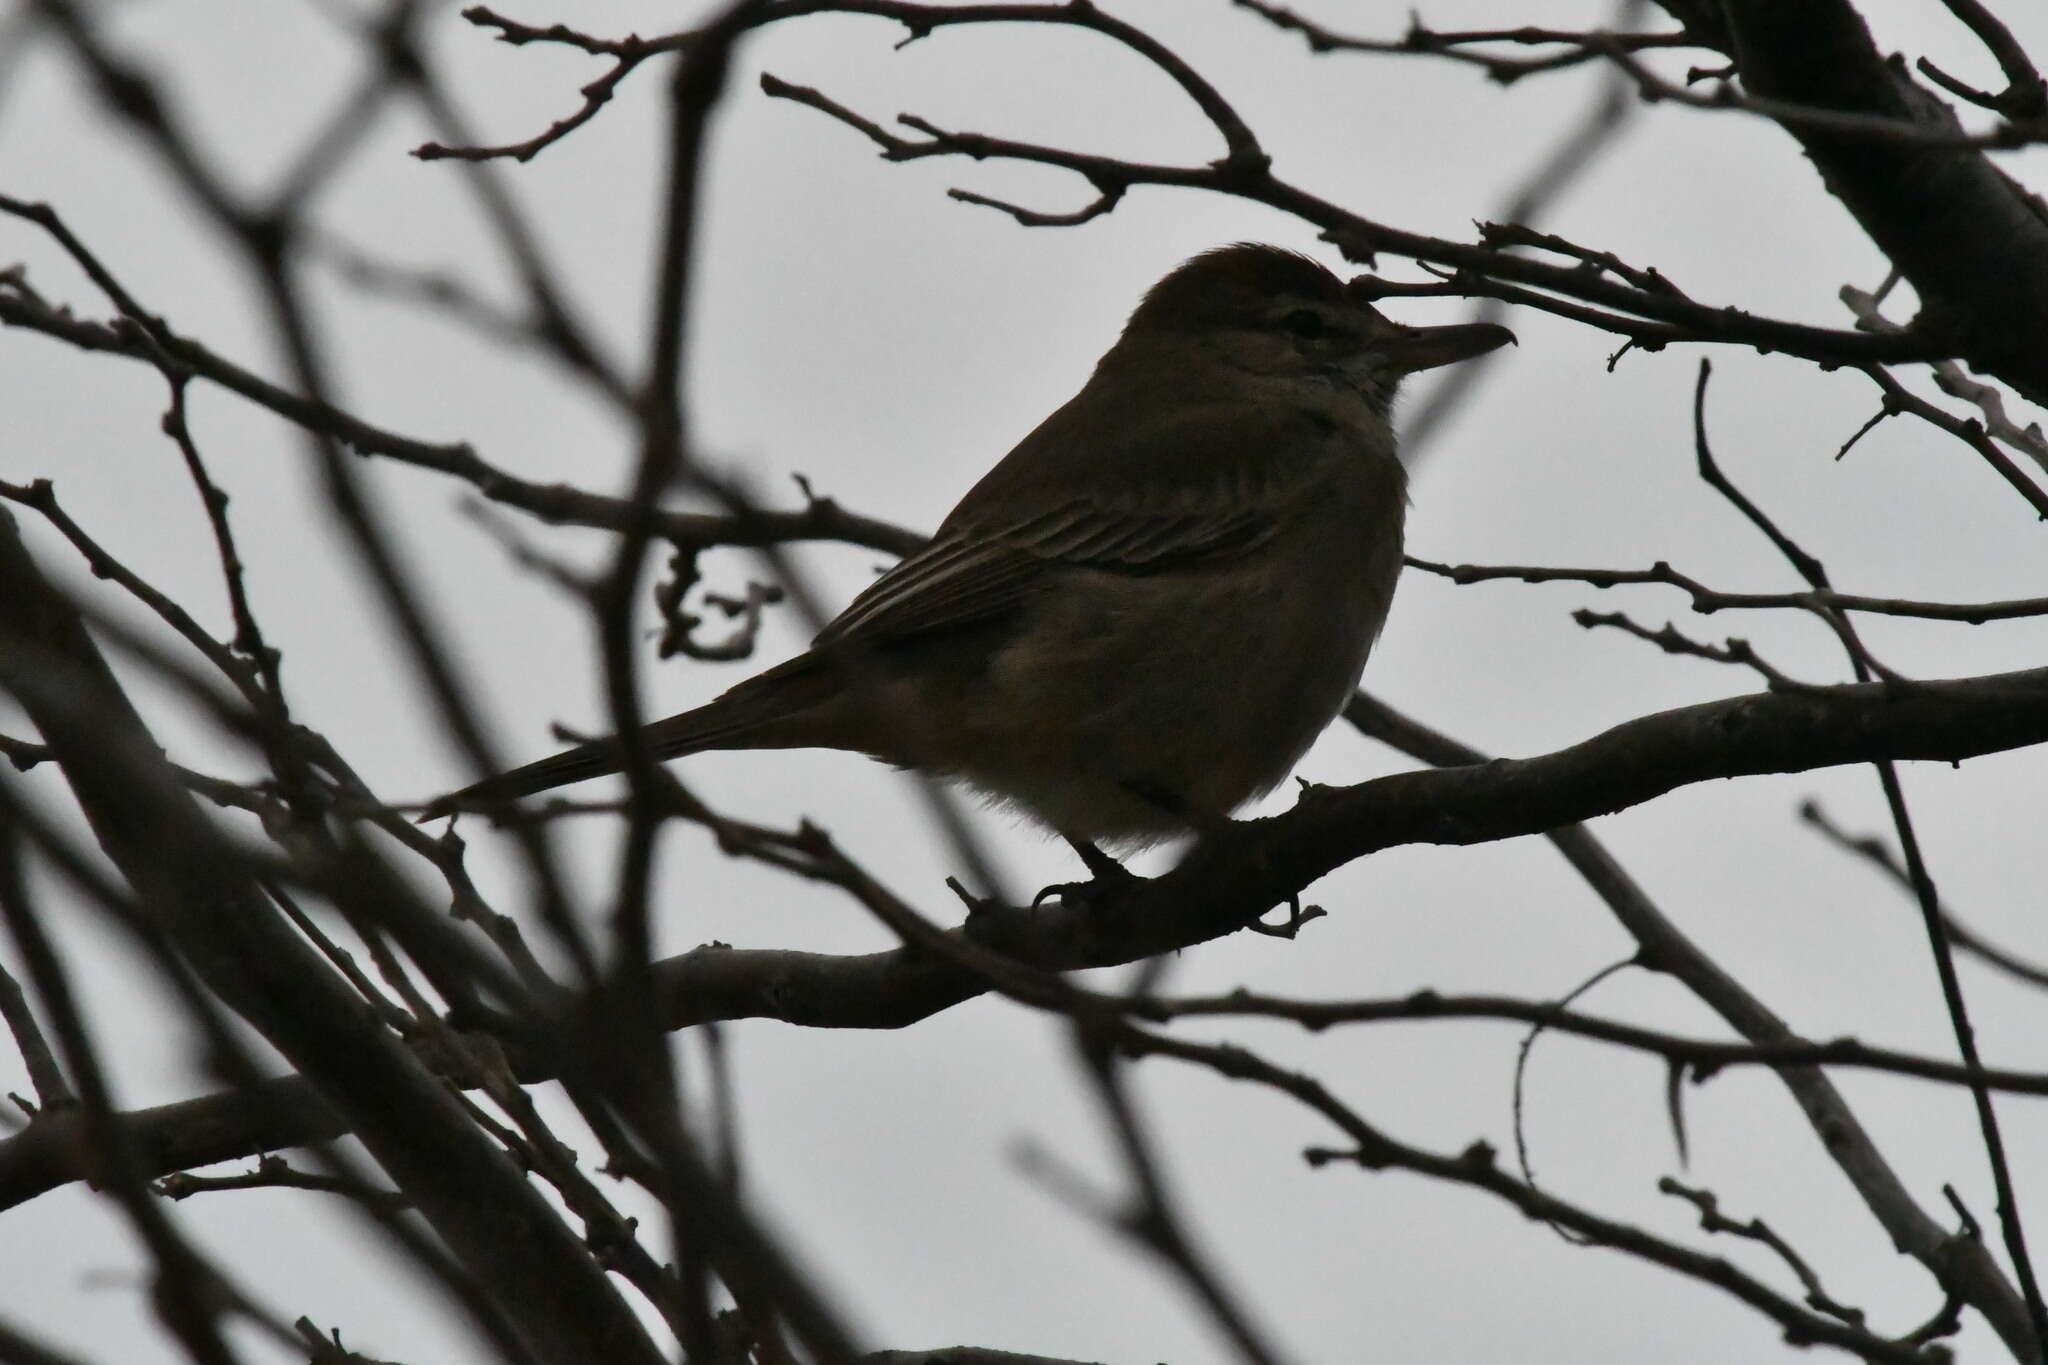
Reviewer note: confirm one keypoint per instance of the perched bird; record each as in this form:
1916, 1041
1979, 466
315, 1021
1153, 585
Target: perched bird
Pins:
1141, 618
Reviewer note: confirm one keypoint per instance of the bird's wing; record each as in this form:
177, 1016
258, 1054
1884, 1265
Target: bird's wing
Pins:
1091, 488
973, 571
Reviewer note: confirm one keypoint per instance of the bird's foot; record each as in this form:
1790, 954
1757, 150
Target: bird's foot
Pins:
1297, 915
1106, 875
1170, 803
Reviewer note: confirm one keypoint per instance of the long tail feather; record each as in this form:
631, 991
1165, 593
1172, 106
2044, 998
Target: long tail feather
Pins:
762, 713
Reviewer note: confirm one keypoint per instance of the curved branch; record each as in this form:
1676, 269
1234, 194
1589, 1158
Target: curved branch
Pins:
1221, 887
1476, 1167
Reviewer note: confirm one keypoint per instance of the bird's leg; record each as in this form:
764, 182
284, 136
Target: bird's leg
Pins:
1106, 875
1169, 802
1106, 872
1206, 823
1100, 865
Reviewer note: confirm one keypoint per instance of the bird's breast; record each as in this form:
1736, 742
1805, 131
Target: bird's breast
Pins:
1207, 681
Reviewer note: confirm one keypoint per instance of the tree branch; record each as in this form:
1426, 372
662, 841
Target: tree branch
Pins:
1222, 886
1972, 242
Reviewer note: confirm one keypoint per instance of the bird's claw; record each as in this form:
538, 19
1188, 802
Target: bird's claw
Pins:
1107, 877
1071, 893
1297, 915
1085, 893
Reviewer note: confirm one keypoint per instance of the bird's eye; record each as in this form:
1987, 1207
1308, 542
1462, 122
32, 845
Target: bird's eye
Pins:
1305, 323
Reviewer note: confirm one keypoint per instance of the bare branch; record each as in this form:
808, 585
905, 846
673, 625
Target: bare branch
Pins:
1476, 1167
1578, 47
1707, 600
1756, 1230
1873, 850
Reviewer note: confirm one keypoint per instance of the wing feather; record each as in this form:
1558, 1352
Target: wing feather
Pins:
971, 572
1089, 490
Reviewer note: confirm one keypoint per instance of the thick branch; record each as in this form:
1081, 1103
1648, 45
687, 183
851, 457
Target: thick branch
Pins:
1219, 888
1971, 240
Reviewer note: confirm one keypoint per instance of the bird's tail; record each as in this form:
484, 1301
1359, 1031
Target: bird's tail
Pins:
772, 711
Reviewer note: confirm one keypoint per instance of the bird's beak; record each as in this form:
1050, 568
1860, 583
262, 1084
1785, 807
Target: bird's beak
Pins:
1409, 349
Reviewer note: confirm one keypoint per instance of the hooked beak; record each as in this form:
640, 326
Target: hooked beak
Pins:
1409, 349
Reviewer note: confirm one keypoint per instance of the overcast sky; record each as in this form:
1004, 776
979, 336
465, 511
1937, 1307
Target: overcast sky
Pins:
857, 327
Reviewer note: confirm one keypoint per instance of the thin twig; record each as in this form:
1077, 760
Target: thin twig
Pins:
1756, 1230
52, 1090
1815, 573
275, 1173
1707, 600
1873, 850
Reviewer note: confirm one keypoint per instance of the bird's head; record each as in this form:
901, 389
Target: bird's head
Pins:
1274, 314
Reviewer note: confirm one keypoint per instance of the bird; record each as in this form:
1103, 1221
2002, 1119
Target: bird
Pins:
1139, 620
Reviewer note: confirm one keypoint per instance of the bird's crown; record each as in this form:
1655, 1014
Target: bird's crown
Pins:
1224, 283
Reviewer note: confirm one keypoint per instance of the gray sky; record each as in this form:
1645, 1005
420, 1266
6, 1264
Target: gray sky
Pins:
857, 327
